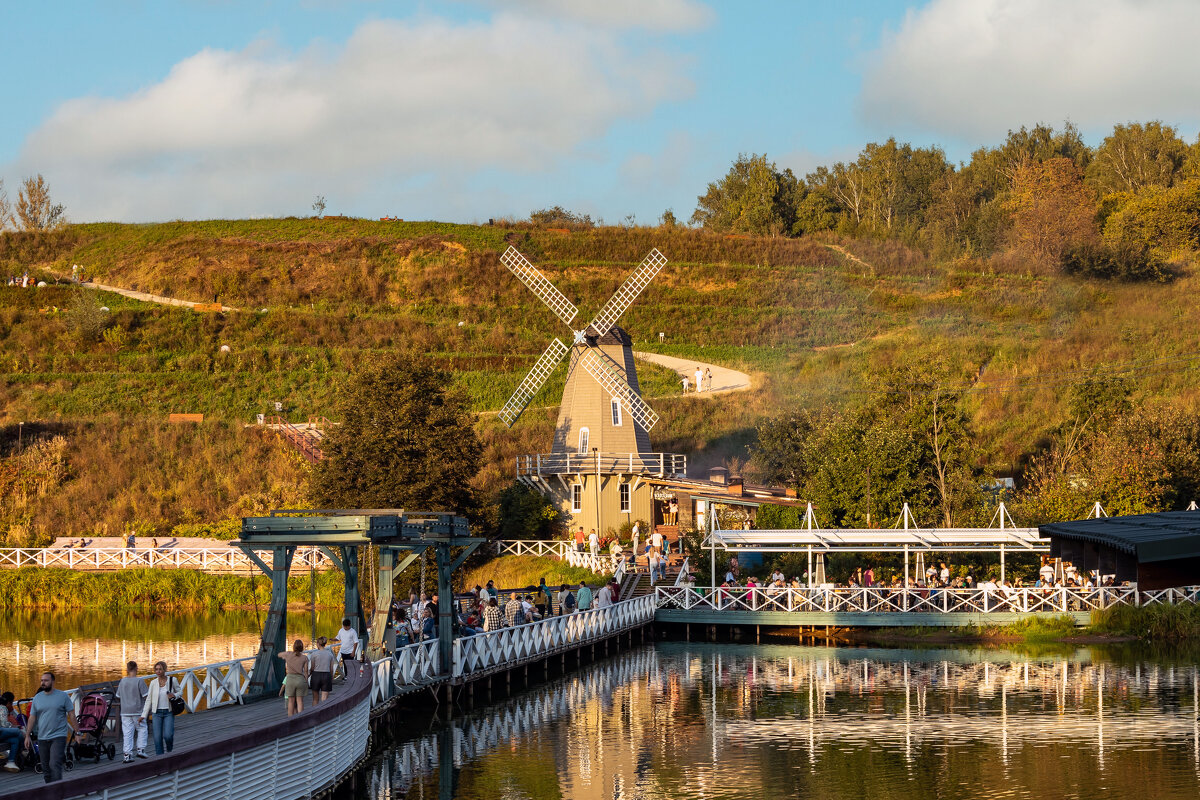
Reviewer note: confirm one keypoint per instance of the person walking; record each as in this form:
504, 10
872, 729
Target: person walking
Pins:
541, 600
579, 539
707, 379
584, 597
492, 619
594, 543
321, 664
637, 535
157, 709
131, 693
51, 716
604, 597
295, 678
10, 731
699, 379
566, 600
684, 380
347, 639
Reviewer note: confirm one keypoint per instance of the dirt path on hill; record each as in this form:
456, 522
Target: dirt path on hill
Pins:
146, 297
837, 248
724, 379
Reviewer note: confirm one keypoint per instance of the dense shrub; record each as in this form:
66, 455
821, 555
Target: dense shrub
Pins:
1130, 263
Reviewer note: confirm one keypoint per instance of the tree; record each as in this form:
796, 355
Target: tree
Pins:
1135, 156
560, 217
753, 197
526, 514
998, 167
668, 220
35, 212
405, 441
783, 451
1050, 208
6, 216
318, 205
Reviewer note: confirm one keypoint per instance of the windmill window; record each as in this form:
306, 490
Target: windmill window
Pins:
583, 441
616, 411
625, 497
576, 497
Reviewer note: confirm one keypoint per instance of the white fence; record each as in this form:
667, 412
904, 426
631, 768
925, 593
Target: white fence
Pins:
881, 600
506, 647
222, 559
601, 563
545, 465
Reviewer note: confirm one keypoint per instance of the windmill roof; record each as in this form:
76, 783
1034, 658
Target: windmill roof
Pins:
616, 335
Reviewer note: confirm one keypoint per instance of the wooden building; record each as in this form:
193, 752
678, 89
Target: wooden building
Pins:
1157, 551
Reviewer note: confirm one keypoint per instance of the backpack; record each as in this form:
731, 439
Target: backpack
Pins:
569, 602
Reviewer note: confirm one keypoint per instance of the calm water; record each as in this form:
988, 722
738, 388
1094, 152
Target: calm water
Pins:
84, 647
727, 721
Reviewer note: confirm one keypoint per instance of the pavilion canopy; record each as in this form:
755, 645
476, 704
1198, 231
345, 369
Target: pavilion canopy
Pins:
1166, 536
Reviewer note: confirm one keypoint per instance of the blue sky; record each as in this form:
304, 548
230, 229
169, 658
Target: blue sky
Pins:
141, 111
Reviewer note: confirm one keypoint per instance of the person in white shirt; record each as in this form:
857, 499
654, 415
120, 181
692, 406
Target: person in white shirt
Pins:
637, 535
594, 543
347, 639
699, 379
604, 597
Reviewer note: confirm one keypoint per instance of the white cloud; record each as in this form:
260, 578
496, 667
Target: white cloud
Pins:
655, 15
401, 106
975, 68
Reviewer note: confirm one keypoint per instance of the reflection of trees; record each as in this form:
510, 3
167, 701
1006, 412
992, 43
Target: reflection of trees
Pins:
721, 722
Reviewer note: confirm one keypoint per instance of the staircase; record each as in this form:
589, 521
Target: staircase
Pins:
305, 438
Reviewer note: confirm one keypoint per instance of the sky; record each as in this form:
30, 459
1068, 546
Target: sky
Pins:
465, 110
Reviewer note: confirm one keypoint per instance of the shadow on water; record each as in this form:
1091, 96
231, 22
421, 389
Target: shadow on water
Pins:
741, 721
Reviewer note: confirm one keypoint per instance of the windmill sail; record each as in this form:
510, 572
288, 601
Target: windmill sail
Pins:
539, 284
533, 382
624, 297
612, 380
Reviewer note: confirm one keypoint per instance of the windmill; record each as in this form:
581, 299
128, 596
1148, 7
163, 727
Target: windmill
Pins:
604, 352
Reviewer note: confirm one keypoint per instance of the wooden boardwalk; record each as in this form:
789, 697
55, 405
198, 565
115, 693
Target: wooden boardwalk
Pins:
193, 733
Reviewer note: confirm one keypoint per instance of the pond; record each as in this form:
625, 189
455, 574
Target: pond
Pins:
729, 721
89, 646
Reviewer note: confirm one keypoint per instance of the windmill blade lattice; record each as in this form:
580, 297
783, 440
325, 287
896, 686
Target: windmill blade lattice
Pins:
624, 297
533, 382
608, 375
539, 284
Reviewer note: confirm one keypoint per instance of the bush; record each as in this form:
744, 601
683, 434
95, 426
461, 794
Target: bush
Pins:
1128, 263
526, 514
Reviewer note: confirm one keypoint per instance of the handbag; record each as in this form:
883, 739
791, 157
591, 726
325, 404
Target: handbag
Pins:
177, 704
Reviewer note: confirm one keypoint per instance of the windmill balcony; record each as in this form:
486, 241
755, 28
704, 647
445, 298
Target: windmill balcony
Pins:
545, 465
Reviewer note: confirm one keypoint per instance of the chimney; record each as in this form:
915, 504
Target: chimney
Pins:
718, 475
734, 487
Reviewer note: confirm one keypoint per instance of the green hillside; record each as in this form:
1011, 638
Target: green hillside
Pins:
814, 326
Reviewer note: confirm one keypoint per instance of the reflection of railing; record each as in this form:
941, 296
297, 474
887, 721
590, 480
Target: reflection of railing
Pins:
98, 559
882, 600
485, 652
544, 465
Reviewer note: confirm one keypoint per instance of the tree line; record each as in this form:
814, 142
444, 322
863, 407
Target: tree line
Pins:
33, 211
1119, 210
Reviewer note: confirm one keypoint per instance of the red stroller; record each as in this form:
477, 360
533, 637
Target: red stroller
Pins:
94, 711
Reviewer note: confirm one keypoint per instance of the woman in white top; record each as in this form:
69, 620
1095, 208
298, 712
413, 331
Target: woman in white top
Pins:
157, 709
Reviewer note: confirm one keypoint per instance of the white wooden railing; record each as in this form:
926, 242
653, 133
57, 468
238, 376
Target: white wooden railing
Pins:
601, 563
410, 667
97, 559
881, 600
485, 652
545, 465
682, 578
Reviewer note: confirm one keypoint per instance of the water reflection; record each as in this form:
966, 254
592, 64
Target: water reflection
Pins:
717, 721
90, 646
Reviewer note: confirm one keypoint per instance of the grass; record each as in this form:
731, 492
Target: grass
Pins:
1160, 623
514, 572
812, 326
37, 588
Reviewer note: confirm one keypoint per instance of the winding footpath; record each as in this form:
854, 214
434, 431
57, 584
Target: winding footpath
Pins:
146, 297
724, 379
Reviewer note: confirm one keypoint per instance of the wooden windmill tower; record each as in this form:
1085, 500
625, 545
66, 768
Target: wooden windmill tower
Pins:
603, 430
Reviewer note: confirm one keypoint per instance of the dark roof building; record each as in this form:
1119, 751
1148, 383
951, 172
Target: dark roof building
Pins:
1158, 551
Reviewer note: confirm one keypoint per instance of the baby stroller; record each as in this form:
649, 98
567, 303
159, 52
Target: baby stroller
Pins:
92, 718
30, 757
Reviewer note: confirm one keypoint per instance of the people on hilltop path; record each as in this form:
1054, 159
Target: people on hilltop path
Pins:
584, 597
51, 716
131, 694
10, 731
322, 662
684, 380
347, 639
158, 711
699, 379
707, 379
295, 677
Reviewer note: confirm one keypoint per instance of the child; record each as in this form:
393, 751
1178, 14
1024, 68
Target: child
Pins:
131, 692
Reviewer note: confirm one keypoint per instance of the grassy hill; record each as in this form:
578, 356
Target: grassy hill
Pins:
810, 323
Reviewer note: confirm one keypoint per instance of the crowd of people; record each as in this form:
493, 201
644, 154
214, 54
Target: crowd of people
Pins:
700, 380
